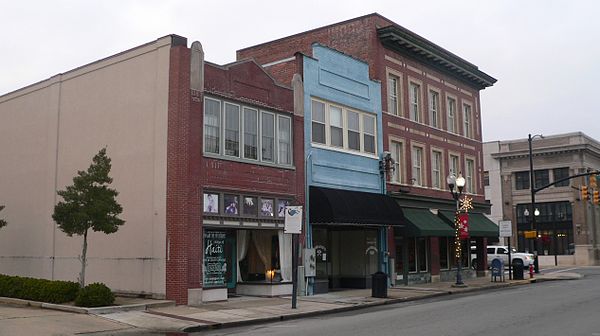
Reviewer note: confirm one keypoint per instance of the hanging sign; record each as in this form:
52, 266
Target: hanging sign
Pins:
293, 219
215, 265
463, 225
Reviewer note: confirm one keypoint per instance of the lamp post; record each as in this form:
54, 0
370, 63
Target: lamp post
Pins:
532, 185
456, 185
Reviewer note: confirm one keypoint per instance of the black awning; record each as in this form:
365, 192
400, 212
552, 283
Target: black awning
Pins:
345, 207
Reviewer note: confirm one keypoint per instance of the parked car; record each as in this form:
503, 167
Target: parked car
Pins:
501, 252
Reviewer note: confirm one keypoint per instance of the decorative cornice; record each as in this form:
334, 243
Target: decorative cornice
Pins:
407, 42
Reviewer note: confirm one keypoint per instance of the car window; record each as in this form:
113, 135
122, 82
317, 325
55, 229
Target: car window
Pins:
490, 250
502, 250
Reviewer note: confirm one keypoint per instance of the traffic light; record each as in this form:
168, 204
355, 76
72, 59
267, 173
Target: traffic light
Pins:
584, 193
596, 197
593, 183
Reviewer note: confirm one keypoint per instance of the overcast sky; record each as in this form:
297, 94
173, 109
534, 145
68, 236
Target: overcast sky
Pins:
545, 54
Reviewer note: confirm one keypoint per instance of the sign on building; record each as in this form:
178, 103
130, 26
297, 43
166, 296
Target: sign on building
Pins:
215, 265
293, 219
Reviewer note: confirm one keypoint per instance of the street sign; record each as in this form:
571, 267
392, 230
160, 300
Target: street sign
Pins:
505, 227
530, 234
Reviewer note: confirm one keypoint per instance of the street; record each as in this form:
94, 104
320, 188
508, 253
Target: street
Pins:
548, 308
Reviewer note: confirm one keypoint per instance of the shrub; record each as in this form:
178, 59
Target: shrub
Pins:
95, 295
52, 291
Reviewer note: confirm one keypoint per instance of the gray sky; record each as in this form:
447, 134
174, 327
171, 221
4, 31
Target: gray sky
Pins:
544, 53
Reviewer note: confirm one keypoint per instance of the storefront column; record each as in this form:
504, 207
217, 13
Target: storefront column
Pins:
434, 258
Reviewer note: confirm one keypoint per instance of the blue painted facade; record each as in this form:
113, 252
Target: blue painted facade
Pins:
334, 77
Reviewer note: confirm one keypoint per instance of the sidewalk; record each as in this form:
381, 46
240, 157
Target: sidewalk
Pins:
165, 317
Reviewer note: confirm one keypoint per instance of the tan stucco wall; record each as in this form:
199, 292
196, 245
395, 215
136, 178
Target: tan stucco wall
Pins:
50, 130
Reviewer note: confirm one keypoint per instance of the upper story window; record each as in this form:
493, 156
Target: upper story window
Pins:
340, 127
542, 178
451, 115
393, 94
417, 165
397, 151
434, 109
486, 178
470, 176
415, 102
561, 173
454, 167
467, 121
522, 180
436, 169
230, 127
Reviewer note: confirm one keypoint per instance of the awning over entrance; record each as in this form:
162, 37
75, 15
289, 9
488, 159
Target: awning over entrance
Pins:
335, 206
425, 224
479, 224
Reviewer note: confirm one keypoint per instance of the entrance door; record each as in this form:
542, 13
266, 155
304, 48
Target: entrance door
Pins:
323, 262
231, 258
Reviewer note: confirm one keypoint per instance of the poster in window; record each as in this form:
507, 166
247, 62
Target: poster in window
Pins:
250, 206
215, 264
211, 203
231, 204
281, 204
266, 207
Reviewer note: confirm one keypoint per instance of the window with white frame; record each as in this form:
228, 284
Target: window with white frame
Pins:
451, 115
454, 167
318, 122
336, 126
250, 133
470, 176
397, 151
237, 131
415, 102
232, 130
268, 136
434, 109
417, 165
436, 169
285, 140
467, 117
212, 126
393, 94
343, 128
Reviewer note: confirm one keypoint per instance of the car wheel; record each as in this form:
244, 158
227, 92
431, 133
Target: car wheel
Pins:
474, 264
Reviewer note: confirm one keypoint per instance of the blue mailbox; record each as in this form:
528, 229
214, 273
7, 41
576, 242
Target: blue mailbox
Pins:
497, 269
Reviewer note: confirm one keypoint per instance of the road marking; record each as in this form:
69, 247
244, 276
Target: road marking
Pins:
565, 270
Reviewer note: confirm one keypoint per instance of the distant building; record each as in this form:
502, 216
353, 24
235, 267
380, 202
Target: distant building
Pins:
566, 224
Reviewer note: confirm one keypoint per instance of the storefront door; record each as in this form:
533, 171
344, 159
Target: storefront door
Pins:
231, 257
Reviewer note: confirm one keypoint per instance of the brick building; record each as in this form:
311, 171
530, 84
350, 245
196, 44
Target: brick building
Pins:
202, 154
431, 126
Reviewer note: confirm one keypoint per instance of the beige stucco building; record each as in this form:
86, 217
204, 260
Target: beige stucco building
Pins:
52, 129
567, 225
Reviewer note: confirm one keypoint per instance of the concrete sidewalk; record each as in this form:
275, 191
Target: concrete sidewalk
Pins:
165, 317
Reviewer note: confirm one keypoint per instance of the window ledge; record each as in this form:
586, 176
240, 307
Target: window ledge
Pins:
249, 161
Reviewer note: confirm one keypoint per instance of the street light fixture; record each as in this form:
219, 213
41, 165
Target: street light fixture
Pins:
456, 186
532, 185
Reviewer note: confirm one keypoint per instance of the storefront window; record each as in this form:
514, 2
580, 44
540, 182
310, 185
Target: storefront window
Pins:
211, 203
264, 255
231, 204
422, 254
444, 253
250, 206
266, 207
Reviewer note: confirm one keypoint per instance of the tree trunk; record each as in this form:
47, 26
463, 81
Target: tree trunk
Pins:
83, 260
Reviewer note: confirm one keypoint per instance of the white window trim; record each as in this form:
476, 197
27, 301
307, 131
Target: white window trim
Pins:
243, 127
361, 131
291, 139
275, 160
469, 189
438, 120
470, 124
401, 162
419, 84
220, 126
224, 113
455, 123
399, 75
457, 155
441, 168
422, 167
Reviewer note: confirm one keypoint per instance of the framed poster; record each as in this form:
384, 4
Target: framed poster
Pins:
211, 203
215, 264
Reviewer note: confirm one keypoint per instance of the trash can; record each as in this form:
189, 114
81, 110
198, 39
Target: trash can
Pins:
379, 285
518, 271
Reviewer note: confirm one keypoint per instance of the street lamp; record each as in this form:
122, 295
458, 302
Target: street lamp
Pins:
532, 185
456, 185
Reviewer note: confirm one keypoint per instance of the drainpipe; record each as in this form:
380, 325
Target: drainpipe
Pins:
308, 243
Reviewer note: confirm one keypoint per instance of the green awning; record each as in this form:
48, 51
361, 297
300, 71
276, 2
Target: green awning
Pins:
479, 224
425, 224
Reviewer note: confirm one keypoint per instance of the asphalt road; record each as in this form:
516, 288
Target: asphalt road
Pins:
548, 308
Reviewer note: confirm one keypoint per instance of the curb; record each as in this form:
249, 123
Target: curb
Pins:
83, 310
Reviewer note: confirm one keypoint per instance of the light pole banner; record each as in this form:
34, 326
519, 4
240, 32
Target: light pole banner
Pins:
293, 219
463, 225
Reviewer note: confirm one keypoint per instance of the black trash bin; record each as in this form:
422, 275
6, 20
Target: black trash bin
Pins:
518, 271
379, 285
